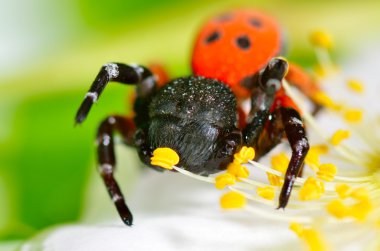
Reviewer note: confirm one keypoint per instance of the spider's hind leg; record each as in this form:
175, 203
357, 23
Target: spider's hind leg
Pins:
107, 160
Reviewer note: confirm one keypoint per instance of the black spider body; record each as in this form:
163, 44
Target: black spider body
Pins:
199, 119
195, 116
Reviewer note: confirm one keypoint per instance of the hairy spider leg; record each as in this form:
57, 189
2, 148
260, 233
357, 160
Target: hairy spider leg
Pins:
263, 92
285, 119
107, 160
273, 113
122, 73
145, 84
296, 135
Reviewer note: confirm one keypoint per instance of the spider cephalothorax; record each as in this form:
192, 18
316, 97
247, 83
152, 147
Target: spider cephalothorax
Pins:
198, 117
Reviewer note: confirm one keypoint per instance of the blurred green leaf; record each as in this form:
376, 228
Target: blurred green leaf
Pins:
49, 157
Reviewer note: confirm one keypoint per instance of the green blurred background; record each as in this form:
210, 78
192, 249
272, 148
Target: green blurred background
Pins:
52, 50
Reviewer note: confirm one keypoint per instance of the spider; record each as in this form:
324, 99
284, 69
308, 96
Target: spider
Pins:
197, 117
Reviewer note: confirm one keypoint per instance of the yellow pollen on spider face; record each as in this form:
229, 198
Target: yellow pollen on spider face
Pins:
312, 189
232, 200
326, 172
339, 136
165, 157
223, 180
267, 192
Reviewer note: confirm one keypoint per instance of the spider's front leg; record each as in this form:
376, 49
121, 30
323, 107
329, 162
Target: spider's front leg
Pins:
285, 118
122, 73
263, 94
295, 132
271, 115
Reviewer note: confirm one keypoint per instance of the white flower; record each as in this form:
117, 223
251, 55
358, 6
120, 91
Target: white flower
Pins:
339, 208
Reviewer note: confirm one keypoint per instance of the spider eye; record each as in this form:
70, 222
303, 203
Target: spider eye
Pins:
243, 42
212, 37
255, 22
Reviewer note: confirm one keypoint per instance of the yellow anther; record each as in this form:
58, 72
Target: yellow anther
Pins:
321, 39
280, 162
355, 85
323, 99
320, 149
312, 237
378, 223
312, 159
297, 228
164, 157
343, 190
312, 189
237, 170
339, 136
245, 154
233, 168
360, 193
360, 210
337, 209
326, 172
320, 71
232, 200
275, 180
314, 240
223, 180
353, 115
266, 192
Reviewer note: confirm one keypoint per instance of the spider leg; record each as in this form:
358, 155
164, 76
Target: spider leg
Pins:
126, 74
271, 135
107, 161
272, 114
262, 98
285, 119
296, 135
